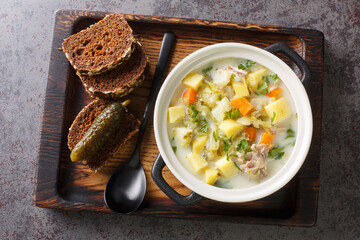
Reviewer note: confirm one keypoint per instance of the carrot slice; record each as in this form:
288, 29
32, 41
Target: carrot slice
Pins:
242, 104
266, 138
274, 93
189, 96
251, 132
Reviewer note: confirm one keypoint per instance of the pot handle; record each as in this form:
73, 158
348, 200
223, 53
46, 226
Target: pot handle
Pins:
296, 58
156, 175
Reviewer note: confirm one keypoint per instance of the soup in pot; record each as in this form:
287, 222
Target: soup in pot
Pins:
232, 123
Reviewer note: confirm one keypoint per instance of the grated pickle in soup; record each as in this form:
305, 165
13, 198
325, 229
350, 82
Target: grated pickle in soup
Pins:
232, 123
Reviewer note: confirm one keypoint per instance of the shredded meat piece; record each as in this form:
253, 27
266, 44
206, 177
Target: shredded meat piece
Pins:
239, 72
254, 164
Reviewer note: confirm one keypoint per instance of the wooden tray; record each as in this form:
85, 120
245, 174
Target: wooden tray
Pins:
64, 185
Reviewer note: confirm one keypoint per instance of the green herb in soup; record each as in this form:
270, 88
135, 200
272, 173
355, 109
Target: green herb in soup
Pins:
290, 133
233, 114
206, 70
242, 146
276, 153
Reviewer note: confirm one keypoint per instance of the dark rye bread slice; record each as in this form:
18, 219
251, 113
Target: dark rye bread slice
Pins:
120, 81
102, 46
128, 128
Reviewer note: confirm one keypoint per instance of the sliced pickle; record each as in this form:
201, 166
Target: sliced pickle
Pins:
103, 127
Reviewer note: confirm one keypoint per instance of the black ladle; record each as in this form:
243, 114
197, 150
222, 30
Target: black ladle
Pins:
126, 188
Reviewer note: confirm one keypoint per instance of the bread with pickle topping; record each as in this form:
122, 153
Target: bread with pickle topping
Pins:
129, 127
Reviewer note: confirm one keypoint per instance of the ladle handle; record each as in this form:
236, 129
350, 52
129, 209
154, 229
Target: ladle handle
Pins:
156, 175
296, 58
165, 51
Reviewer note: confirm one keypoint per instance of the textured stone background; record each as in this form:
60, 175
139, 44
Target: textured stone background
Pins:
25, 40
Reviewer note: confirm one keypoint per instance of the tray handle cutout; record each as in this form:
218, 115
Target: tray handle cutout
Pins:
295, 57
156, 175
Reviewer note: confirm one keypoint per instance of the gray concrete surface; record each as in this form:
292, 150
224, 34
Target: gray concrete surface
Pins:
25, 40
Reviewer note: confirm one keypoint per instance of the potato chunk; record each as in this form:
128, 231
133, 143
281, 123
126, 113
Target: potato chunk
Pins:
183, 136
211, 175
221, 78
193, 80
280, 109
240, 89
197, 162
199, 143
227, 168
176, 113
254, 78
231, 127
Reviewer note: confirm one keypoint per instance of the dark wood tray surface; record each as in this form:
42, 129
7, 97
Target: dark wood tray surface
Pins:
64, 185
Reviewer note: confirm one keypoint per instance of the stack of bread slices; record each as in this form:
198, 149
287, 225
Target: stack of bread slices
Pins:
110, 64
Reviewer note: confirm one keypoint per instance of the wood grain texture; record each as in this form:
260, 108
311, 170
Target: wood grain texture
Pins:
65, 185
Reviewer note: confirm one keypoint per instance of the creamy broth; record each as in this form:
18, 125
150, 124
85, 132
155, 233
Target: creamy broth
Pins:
209, 126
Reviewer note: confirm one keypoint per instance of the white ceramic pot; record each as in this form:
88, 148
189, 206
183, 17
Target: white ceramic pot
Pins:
296, 89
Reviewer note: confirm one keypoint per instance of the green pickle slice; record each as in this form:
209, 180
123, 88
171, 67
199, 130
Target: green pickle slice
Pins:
103, 127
